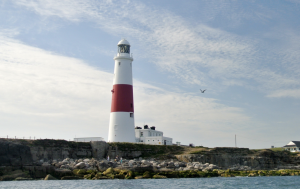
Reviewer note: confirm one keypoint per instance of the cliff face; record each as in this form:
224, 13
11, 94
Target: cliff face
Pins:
15, 154
28, 152
228, 157
35, 152
21, 153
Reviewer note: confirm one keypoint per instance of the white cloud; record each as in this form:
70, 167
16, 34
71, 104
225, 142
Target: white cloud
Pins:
193, 52
44, 94
285, 93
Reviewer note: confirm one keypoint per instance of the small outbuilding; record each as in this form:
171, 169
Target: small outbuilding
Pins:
292, 146
148, 135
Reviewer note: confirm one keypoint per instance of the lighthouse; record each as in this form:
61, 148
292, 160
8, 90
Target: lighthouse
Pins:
121, 123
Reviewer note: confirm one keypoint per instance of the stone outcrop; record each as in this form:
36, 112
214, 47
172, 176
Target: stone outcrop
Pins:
14, 153
243, 158
34, 159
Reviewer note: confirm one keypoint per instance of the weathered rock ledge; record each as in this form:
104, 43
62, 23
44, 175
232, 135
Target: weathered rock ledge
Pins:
35, 159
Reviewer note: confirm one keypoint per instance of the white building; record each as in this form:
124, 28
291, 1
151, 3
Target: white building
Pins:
292, 146
151, 136
88, 139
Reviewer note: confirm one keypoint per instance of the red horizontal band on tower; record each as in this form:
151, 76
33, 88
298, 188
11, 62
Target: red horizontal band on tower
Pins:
122, 98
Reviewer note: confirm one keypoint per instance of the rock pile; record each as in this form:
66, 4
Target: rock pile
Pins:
150, 164
239, 167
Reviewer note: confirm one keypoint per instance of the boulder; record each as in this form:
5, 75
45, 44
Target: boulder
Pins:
13, 175
80, 165
71, 178
46, 164
129, 175
108, 171
102, 166
159, 177
50, 177
79, 172
147, 174
138, 177
22, 179
65, 167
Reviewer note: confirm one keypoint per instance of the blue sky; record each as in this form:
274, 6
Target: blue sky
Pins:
56, 67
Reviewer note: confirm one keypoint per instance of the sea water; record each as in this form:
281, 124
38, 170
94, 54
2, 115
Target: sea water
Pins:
186, 183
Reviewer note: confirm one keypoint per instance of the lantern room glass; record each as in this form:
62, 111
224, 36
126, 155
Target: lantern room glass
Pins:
124, 49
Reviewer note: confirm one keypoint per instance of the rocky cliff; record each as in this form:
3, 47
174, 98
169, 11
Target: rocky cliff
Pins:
32, 159
237, 158
36, 152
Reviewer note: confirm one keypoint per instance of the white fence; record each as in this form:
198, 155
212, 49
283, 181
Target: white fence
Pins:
28, 138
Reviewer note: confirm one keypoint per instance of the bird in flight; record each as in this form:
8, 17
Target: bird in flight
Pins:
203, 90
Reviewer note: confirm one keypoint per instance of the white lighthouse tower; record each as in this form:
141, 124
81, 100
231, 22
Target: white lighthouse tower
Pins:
121, 123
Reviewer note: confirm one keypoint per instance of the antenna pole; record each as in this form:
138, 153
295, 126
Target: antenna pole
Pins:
235, 139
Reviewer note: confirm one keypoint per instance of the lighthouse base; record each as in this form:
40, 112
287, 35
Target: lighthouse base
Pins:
121, 127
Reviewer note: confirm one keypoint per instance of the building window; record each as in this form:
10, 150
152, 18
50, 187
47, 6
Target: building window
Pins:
119, 63
142, 141
148, 140
116, 127
142, 134
153, 140
131, 114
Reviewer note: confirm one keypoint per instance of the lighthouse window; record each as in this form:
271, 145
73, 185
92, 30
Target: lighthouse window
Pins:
131, 114
119, 63
124, 49
131, 105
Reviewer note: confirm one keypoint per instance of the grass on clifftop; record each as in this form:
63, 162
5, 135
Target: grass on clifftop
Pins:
148, 150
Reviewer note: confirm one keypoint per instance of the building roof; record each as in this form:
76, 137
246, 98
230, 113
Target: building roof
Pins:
293, 144
124, 42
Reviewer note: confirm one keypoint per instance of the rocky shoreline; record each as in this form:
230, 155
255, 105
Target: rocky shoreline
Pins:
59, 159
92, 169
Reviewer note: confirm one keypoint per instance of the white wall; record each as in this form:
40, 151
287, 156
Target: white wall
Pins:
123, 70
121, 127
152, 137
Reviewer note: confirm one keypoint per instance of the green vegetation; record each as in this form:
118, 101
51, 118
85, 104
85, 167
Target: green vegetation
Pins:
276, 149
279, 149
148, 150
111, 173
198, 152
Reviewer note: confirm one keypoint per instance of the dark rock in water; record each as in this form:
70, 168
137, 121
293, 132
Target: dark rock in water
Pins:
159, 177
50, 177
138, 177
13, 175
147, 174
22, 179
71, 178
62, 172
